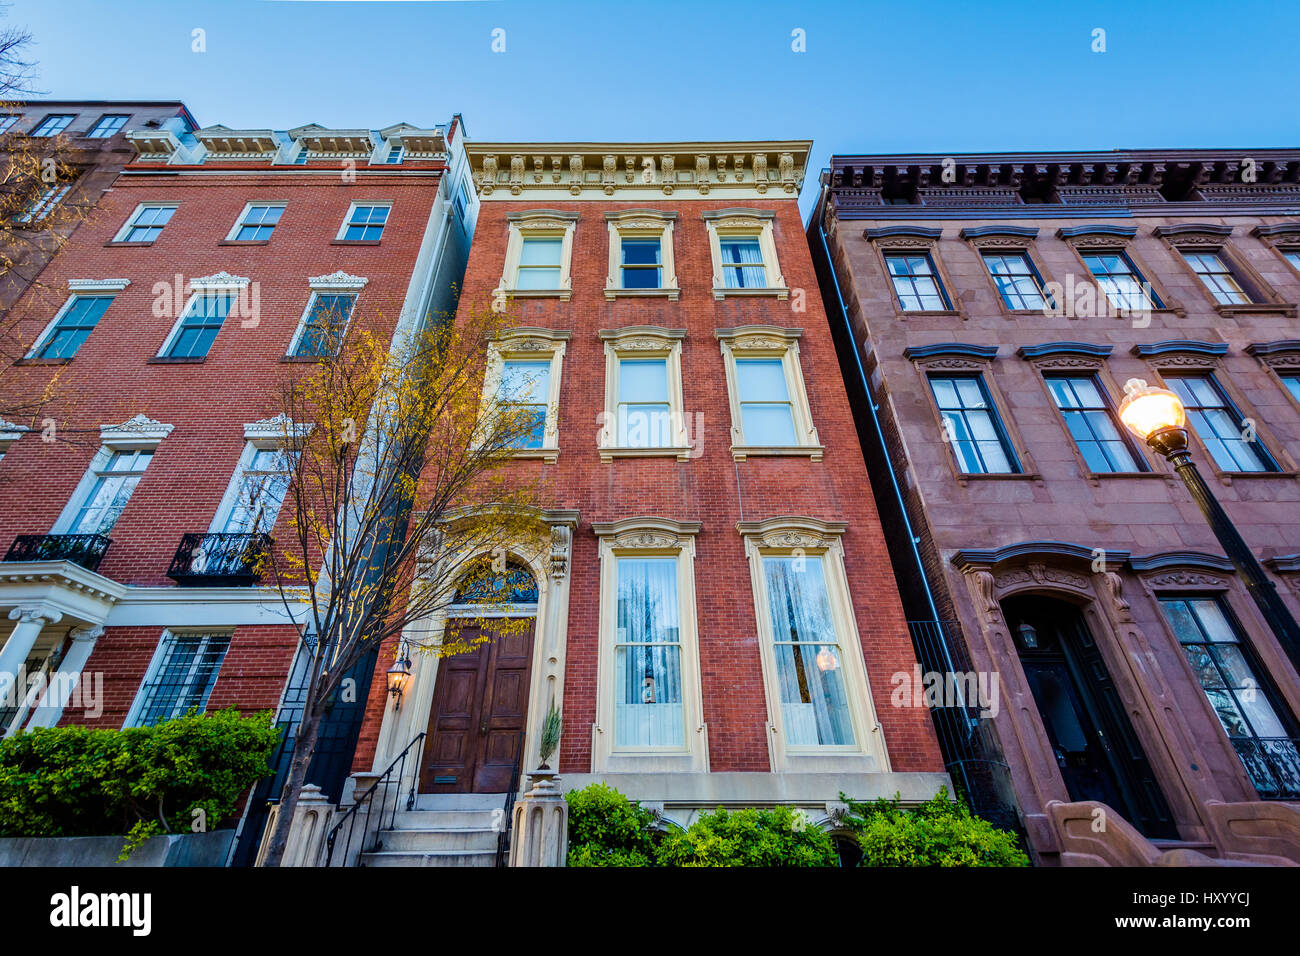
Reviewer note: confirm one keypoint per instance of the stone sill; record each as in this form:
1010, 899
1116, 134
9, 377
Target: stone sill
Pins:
670, 294
777, 292
562, 294
181, 360
812, 452
127, 245
932, 313
681, 453
355, 242
43, 361
548, 455
244, 242
1259, 308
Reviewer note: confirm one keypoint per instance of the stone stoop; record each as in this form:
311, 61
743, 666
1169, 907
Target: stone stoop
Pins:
442, 830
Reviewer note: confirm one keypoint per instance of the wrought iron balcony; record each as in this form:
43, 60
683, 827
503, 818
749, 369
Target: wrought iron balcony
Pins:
1273, 764
220, 560
86, 550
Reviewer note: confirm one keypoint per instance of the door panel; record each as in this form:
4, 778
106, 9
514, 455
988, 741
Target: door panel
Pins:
480, 707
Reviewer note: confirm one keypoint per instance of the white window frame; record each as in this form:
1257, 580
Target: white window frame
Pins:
813, 539
532, 345
336, 283
140, 208
155, 664
769, 342
641, 224
347, 220
537, 224
745, 224
205, 285
232, 236
253, 443
76, 289
72, 118
45, 203
125, 117
135, 434
643, 342
645, 537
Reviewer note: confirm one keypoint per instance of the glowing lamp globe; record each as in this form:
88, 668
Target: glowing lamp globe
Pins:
826, 659
1147, 410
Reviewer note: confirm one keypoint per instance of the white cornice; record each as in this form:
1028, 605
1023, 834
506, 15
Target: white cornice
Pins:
136, 430
338, 280
275, 430
219, 280
97, 285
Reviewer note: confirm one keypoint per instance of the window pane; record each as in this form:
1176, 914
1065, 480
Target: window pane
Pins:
525, 382
643, 380
535, 278
184, 678
809, 665
768, 425
540, 252
648, 708
761, 380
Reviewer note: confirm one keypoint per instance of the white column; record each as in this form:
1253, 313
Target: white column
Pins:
63, 683
21, 641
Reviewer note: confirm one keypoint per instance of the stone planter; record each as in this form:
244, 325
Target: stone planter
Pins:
540, 828
174, 849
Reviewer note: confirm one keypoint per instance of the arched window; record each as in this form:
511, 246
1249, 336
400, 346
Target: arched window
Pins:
482, 585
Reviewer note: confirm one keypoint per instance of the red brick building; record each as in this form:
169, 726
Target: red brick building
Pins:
990, 308
208, 274
714, 614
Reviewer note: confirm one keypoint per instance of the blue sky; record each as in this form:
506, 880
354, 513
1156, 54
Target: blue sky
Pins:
945, 77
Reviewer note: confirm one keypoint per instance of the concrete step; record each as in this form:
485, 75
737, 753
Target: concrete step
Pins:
459, 801
437, 819
431, 858
440, 839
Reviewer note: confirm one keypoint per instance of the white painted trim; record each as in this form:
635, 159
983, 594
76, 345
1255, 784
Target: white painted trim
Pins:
273, 432
768, 342
338, 281
139, 431
97, 285
248, 207
133, 715
306, 313
364, 202
121, 234
643, 342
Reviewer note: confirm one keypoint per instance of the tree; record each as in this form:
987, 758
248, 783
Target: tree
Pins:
397, 494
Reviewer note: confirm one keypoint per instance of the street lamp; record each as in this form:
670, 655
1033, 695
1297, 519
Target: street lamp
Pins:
1157, 416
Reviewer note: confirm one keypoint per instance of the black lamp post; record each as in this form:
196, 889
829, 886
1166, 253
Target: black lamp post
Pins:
1157, 416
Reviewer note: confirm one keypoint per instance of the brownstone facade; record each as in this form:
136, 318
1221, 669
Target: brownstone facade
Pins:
1064, 556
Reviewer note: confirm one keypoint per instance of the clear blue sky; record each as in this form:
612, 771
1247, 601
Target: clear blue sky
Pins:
944, 77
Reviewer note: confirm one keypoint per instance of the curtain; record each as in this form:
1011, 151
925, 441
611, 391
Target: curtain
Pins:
809, 665
647, 657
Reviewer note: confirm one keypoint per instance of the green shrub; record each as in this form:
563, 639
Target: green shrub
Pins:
608, 829
749, 837
76, 781
937, 833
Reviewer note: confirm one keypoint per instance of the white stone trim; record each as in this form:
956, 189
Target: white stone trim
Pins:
97, 285
641, 224
772, 342
120, 235
538, 224
643, 342
276, 432
339, 281
219, 282
752, 224
649, 537
352, 208
140, 431
232, 236
530, 344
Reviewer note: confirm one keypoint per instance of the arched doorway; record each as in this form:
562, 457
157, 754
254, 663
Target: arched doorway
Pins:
1099, 755
480, 697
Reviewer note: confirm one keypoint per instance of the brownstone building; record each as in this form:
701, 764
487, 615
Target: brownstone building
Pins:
988, 310
88, 139
714, 613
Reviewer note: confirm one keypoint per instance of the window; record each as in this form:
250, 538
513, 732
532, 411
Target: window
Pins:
644, 411
767, 414
257, 222
1292, 382
539, 264
7, 122
461, 202
971, 425
769, 405
648, 713
1216, 277
648, 709
184, 671
72, 328
538, 253
1017, 280
365, 223
54, 124
525, 386
1219, 424
1092, 424
199, 325
742, 264
1225, 667
915, 282
257, 492
641, 268
1290, 255
45, 203
146, 223
742, 244
325, 323
108, 124
1120, 281
394, 156
114, 475
814, 705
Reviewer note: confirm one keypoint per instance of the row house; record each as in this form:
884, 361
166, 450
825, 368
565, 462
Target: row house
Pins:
988, 308
715, 617
220, 263
86, 139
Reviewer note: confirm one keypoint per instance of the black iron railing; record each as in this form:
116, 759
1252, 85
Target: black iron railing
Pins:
382, 786
86, 550
1273, 764
220, 559
507, 822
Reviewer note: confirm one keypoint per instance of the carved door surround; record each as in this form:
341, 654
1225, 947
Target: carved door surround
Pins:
1065, 571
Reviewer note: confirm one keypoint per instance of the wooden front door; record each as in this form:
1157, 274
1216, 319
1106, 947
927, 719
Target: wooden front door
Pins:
480, 706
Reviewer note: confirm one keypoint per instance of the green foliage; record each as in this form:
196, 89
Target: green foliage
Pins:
608, 829
180, 775
780, 837
937, 833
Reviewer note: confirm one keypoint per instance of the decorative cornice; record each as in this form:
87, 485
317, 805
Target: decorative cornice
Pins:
950, 349
219, 280
1282, 352
757, 337
137, 428
338, 280
619, 215
277, 429
1096, 229
532, 214
97, 285
526, 338
1189, 346
642, 337
1277, 229
1063, 348
1192, 229
981, 232
648, 533
790, 532
737, 212
1284, 563
928, 233
11, 431
973, 559
1193, 560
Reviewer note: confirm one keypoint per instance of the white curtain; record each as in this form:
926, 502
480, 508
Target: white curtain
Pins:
648, 655
809, 664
